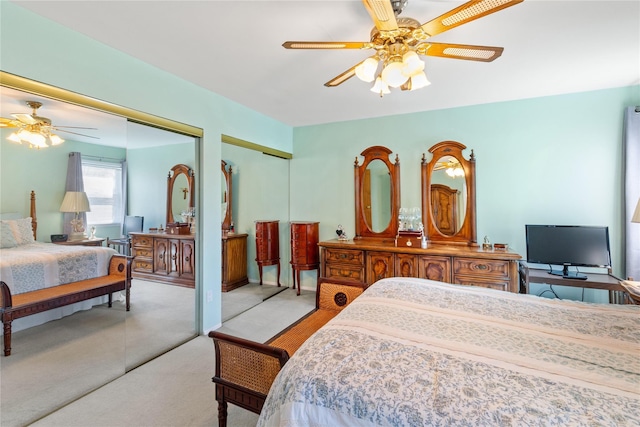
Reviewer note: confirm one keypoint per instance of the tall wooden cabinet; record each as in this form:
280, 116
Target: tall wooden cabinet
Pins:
169, 258
268, 246
305, 253
234, 261
368, 262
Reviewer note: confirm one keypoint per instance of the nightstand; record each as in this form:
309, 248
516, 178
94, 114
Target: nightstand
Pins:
85, 242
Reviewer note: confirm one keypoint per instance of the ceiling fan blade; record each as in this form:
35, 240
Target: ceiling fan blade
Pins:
325, 45
461, 51
25, 118
466, 13
76, 133
382, 14
9, 123
341, 78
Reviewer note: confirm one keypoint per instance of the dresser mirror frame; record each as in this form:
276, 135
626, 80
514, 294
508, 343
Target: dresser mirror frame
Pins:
226, 196
363, 228
174, 174
466, 234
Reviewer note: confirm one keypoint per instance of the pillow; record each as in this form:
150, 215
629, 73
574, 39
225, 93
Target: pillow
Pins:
7, 239
22, 230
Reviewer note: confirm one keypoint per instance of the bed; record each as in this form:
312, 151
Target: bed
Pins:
413, 352
32, 274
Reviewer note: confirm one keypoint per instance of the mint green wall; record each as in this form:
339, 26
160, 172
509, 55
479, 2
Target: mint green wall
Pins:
550, 160
147, 179
45, 172
74, 62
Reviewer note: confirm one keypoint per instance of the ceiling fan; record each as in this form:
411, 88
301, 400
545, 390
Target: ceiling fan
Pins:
398, 42
37, 130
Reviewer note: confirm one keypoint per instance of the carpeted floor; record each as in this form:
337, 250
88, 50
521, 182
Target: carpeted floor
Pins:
44, 371
174, 389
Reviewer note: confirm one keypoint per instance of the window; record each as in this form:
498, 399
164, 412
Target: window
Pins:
103, 185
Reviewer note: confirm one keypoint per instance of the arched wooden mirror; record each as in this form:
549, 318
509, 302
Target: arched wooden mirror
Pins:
180, 188
449, 194
226, 196
377, 187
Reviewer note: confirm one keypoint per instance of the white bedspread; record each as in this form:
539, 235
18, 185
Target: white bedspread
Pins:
411, 352
41, 265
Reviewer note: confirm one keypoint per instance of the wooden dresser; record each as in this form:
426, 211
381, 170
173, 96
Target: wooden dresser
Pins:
368, 262
234, 261
268, 246
305, 253
164, 257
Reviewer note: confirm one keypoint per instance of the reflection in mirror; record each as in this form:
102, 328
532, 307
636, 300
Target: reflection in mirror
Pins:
377, 185
376, 194
448, 194
179, 192
79, 353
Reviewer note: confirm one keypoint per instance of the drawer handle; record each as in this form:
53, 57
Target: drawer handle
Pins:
173, 257
342, 256
161, 256
482, 267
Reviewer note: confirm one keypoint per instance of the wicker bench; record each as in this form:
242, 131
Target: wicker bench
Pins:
246, 369
16, 306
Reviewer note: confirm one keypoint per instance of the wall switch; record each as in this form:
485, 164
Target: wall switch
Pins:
209, 296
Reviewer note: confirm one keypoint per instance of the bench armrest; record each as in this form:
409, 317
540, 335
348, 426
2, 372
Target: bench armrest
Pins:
246, 365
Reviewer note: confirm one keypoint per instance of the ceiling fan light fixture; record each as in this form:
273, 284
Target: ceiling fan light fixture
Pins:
380, 87
412, 63
419, 81
14, 138
366, 70
55, 139
393, 74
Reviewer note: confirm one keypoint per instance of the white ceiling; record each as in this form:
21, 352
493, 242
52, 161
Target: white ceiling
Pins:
234, 48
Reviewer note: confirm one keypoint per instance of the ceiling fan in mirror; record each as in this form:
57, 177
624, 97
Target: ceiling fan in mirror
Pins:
35, 130
399, 42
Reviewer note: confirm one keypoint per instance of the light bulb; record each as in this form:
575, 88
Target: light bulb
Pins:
392, 74
55, 139
380, 87
419, 81
366, 70
412, 63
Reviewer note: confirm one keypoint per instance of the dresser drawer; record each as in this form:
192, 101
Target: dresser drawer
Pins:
142, 265
485, 282
344, 256
142, 252
348, 272
141, 241
477, 267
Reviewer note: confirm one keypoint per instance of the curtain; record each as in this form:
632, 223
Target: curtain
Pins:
74, 183
631, 135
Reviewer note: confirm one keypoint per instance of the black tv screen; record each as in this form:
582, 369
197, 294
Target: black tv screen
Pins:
568, 245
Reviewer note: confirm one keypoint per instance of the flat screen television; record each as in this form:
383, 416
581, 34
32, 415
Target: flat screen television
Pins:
568, 245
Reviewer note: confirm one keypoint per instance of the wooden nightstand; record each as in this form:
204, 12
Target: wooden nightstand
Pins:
85, 242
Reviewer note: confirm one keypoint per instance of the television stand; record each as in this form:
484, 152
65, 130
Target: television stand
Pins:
566, 274
606, 281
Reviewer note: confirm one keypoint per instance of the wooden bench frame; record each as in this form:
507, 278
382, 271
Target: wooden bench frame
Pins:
25, 304
246, 369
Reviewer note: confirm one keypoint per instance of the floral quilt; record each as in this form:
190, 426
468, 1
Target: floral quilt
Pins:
37, 265
412, 352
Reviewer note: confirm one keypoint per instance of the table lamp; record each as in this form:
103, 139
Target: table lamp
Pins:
76, 202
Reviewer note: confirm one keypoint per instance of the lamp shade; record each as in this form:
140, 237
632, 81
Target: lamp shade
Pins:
636, 214
75, 201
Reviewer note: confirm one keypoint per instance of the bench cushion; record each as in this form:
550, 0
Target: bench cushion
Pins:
61, 290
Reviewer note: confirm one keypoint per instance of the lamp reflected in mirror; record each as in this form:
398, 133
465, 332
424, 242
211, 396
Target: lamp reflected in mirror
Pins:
636, 214
76, 202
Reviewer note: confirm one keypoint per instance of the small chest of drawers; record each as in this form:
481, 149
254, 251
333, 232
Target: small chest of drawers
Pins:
305, 254
268, 246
